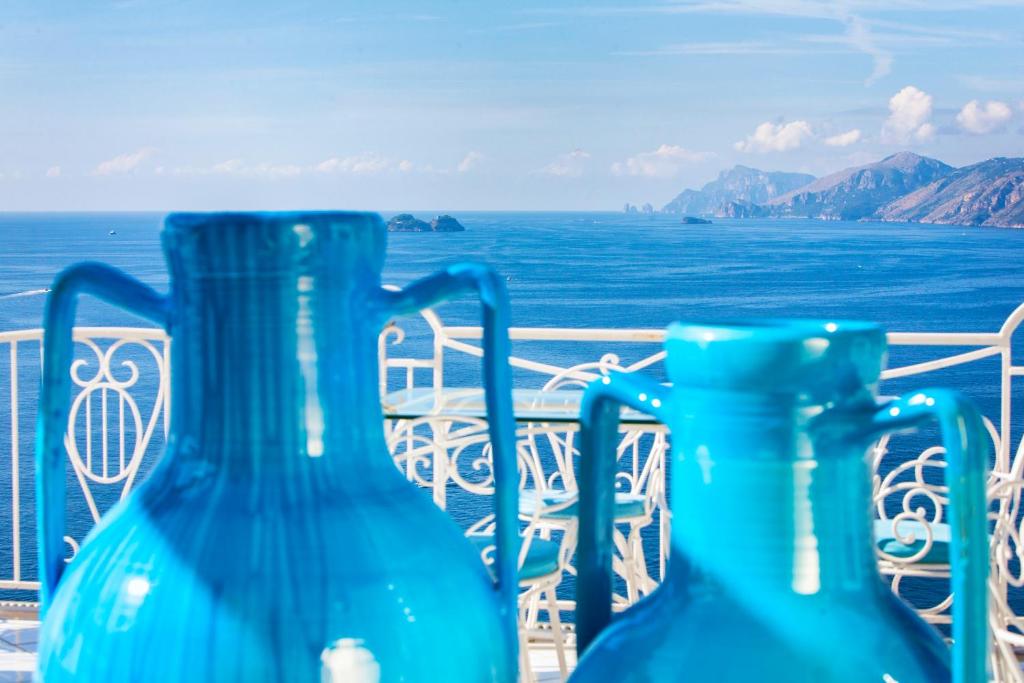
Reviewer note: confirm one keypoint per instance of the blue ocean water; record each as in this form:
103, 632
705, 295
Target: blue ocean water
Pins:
611, 270
614, 270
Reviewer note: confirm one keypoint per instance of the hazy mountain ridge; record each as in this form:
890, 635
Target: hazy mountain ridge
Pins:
903, 187
989, 193
736, 193
855, 193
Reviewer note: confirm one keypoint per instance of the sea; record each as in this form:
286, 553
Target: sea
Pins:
607, 270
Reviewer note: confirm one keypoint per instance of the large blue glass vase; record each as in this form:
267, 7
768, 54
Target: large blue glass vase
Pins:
772, 574
275, 540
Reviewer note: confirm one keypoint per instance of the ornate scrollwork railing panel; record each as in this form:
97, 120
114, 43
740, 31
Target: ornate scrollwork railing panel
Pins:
116, 429
116, 423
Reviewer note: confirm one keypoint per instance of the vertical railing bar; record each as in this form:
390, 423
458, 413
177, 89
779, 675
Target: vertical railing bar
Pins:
440, 464
15, 473
636, 460
103, 432
1006, 384
120, 431
438, 372
88, 431
382, 363
165, 378
410, 465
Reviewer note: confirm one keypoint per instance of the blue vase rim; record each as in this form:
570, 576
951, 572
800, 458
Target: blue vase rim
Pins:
189, 220
769, 330
273, 243
817, 361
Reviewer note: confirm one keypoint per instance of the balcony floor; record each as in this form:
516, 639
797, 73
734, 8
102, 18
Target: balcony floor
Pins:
18, 639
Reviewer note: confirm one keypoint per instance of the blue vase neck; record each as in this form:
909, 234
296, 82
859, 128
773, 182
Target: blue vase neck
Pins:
755, 495
274, 350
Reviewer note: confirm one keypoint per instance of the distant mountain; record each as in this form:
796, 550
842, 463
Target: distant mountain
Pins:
736, 193
859, 192
904, 187
987, 193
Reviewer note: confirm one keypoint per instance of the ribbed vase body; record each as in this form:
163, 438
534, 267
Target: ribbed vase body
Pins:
275, 540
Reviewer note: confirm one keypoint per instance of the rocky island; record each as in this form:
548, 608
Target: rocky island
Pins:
406, 222
445, 223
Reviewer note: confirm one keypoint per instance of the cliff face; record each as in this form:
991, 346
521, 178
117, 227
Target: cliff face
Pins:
859, 192
736, 192
989, 193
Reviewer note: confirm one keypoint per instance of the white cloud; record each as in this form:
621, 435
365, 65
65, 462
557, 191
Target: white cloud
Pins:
776, 137
236, 167
910, 111
268, 170
987, 118
360, 164
367, 164
469, 161
859, 36
663, 162
844, 139
53, 172
229, 166
569, 165
124, 163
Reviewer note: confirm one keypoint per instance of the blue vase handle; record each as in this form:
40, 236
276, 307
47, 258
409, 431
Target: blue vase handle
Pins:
964, 438
116, 287
497, 373
599, 424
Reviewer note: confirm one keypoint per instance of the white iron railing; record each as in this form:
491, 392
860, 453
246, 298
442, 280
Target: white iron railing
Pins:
120, 416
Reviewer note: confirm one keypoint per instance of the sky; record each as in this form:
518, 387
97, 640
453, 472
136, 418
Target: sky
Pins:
481, 105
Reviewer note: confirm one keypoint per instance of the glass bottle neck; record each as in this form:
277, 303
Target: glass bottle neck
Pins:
758, 503
276, 372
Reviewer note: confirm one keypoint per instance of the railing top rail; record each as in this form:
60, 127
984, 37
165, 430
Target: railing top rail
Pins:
571, 334
148, 333
21, 335
583, 334
563, 334
946, 339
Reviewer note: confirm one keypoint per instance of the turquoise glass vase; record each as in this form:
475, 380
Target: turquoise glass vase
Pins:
772, 574
275, 540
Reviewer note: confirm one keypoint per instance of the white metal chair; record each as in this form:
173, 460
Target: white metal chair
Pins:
542, 565
553, 450
451, 457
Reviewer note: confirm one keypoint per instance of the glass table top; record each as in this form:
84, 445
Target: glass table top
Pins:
530, 405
